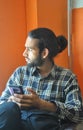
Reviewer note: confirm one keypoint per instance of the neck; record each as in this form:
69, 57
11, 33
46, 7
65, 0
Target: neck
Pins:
46, 68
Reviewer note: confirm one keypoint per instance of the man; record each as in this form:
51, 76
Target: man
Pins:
51, 94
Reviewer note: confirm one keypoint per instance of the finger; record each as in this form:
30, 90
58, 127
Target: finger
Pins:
22, 96
22, 101
24, 106
19, 95
10, 98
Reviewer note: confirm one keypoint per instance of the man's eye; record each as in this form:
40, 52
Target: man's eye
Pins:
29, 49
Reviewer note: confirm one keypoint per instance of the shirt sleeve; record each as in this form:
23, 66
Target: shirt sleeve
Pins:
72, 107
15, 79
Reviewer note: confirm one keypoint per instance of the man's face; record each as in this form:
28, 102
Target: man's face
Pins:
31, 53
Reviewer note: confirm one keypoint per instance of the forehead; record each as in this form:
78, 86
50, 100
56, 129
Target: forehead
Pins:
31, 42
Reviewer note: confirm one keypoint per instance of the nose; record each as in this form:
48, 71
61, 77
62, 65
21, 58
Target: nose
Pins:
25, 53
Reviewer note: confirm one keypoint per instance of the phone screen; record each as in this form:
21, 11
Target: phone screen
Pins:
15, 89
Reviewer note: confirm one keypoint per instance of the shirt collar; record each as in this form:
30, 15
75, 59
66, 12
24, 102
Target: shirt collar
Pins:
34, 71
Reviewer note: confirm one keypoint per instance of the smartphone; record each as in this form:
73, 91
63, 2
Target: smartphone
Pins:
15, 89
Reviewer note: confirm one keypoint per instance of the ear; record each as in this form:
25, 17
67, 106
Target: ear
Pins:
45, 53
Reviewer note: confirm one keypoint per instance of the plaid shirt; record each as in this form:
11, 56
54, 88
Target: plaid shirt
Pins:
60, 87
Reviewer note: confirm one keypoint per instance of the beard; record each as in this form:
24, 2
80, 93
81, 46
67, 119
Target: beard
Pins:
39, 61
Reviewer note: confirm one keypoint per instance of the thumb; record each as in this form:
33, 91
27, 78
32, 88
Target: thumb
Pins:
31, 90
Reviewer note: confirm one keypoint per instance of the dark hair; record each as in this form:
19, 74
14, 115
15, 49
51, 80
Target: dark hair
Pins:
47, 39
62, 43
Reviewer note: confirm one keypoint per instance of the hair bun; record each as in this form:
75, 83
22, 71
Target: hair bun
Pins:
62, 42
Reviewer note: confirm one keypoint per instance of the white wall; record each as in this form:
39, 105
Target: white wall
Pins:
77, 3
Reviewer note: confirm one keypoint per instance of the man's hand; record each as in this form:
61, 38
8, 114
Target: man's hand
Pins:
27, 100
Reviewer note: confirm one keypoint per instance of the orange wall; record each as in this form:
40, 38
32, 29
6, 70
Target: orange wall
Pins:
12, 37
17, 17
77, 44
31, 14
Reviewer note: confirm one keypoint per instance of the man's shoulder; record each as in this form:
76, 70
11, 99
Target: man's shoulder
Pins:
24, 69
21, 68
63, 70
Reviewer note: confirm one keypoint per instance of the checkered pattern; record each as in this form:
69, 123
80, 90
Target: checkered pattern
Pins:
60, 87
